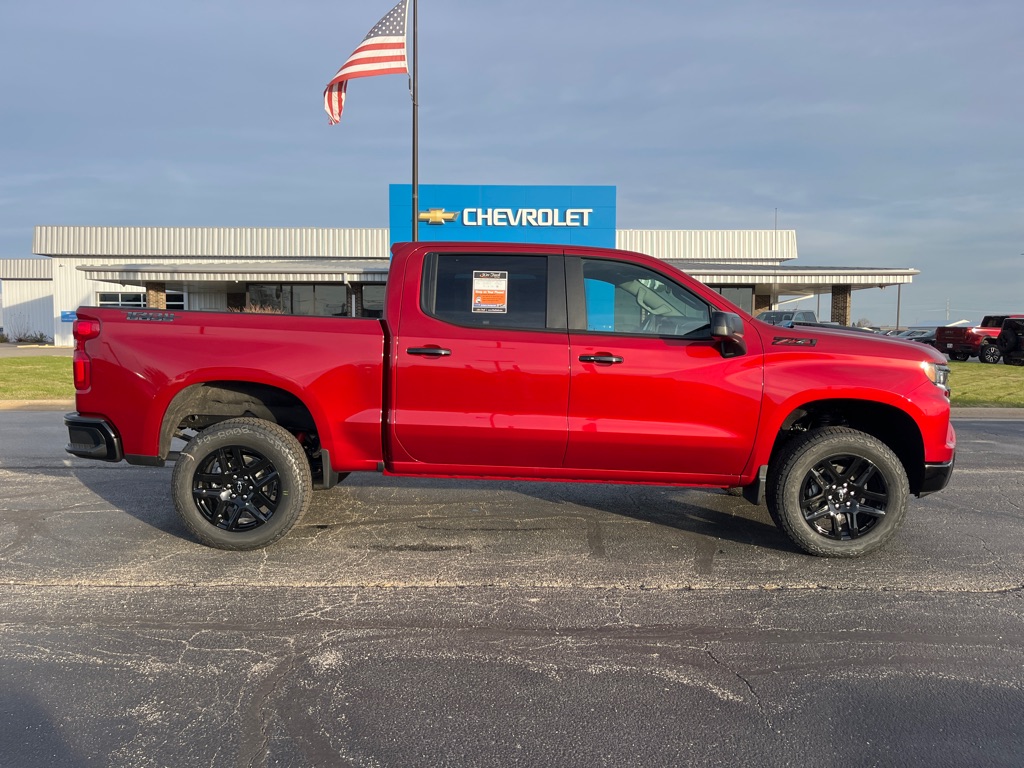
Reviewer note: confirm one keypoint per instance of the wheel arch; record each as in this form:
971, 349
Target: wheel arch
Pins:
202, 404
889, 424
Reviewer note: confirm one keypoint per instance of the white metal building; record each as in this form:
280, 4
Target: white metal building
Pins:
342, 271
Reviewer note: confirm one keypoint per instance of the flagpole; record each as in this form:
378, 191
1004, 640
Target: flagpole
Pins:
415, 123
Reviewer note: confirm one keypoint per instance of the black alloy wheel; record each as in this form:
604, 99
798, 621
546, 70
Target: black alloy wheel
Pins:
837, 492
842, 497
236, 488
241, 484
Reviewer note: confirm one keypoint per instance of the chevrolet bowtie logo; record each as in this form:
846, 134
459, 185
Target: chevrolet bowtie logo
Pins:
438, 215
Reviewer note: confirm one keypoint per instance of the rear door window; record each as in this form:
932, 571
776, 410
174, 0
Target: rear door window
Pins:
487, 291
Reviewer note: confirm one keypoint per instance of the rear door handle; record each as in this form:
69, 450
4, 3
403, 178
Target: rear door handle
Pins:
603, 359
429, 351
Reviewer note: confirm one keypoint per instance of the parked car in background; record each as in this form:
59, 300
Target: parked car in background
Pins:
963, 343
780, 316
923, 335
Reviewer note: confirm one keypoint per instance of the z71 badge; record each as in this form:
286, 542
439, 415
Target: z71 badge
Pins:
790, 341
150, 315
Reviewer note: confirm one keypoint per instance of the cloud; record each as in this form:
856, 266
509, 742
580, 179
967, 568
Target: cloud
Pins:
886, 133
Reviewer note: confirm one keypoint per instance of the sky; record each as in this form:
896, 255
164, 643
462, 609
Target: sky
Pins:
887, 134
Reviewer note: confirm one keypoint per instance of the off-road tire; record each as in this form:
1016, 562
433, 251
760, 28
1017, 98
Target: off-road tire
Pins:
826, 478
1006, 341
241, 484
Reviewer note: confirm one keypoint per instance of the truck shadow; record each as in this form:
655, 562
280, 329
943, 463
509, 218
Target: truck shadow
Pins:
372, 499
707, 514
142, 492
30, 734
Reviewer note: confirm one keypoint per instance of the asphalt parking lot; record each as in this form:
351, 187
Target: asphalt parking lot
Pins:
410, 622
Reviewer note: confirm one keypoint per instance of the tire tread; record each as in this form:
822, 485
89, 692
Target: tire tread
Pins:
797, 531
297, 466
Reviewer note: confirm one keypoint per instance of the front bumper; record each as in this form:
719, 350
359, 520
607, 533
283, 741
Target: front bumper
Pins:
936, 477
92, 438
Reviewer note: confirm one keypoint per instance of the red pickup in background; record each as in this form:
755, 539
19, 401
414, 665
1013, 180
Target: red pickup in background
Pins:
518, 361
963, 343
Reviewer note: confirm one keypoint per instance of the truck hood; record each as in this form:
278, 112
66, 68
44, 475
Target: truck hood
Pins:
843, 341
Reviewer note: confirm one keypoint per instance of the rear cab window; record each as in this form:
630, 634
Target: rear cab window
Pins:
495, 290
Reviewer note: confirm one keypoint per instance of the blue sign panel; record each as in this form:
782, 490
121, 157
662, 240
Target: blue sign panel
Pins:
68, 316
561, 215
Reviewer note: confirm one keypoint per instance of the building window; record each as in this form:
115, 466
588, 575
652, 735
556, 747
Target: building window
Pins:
742, 296
131, 300
373, 300
328, 300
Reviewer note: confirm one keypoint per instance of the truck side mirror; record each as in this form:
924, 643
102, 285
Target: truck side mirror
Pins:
727, 329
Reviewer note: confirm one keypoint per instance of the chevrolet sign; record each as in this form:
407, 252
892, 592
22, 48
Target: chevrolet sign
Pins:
552, 215
526, 217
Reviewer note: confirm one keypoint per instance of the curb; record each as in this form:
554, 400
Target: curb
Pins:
37, 405
988, 413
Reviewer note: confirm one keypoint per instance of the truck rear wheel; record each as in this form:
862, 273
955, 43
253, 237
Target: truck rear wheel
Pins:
241, 484
989, 353
838, 492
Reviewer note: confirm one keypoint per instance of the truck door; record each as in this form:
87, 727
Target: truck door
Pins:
481, 364
651, 392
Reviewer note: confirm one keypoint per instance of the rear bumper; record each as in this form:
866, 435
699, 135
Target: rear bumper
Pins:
92, 438
936, 477
963, 349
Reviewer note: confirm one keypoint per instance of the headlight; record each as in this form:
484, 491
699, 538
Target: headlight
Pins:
937, 374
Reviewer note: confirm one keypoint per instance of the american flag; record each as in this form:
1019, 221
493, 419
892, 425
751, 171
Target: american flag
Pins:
382, 52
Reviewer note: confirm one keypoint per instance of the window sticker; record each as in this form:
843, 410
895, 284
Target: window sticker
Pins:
490, 292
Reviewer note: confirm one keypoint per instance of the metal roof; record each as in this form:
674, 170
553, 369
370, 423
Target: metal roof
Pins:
716, 257
207, 274
211, 242
865, 277
754, 246
724, 246
795, 281
26, 269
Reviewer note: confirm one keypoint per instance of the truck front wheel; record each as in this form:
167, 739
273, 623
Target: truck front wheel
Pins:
241, 484
837, 492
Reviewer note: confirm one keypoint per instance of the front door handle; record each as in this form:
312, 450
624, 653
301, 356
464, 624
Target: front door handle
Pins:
429, 351
602, 359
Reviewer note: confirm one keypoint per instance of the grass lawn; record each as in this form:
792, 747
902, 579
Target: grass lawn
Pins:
36, 378
973, 384
979, 384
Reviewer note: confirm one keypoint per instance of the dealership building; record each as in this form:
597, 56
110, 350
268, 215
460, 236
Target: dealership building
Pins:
342, 272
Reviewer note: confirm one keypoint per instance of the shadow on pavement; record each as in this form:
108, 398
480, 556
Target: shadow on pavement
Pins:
145, 494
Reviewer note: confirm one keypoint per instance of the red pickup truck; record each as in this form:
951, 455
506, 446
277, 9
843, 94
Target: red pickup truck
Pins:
553, 363
962, 343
